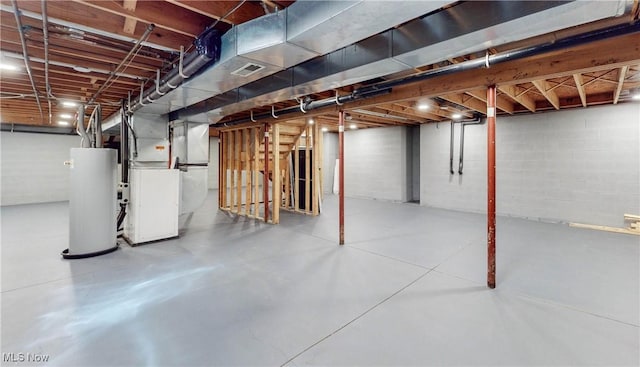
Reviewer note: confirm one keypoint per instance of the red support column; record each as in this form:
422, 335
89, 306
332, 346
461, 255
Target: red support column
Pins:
341, 172
265, 186
491, 186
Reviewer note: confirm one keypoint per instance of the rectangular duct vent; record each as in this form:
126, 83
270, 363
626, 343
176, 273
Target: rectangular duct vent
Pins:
248, 69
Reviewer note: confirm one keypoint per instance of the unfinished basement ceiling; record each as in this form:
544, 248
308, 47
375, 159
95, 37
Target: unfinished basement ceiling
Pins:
88, 39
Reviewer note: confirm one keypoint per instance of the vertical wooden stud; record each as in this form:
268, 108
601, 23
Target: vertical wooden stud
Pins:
247, 171
238, 167
256, 174
277, 174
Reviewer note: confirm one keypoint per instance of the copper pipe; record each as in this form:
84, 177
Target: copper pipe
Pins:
491, 186
265, 185
341, 172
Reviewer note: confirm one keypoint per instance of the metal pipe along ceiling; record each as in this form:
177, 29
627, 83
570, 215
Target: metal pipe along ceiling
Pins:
386, 87
135, 48
16, 12
463, 28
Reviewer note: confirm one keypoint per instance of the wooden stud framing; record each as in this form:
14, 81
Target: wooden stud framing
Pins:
232, 174
277, 174
287, 182
238, 169
247, 170
222, 171
314, 197
256, 172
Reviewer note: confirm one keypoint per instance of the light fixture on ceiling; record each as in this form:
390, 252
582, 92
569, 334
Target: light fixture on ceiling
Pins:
456, 116
63, 123
10, 67
635, 94
353, 126
311, 121
423, 106
65, 116
325, 129
81, 69
69, 104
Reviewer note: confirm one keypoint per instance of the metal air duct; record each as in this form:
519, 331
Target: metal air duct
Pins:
464, 28
277, 41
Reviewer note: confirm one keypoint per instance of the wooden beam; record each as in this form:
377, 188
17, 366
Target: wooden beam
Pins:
551, 96
623, 50
217, 9
605, 228
91, 17
502, 103
621, 75
130, 23
579, 80
164, 15
523, 99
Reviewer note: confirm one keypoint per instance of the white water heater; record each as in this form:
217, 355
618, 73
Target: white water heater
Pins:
92, 202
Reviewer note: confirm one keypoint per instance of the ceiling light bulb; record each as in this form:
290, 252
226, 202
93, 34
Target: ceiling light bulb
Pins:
81, 69
63, 123
311, 121
325, 129
636, 97
4, 66
69, 104
353, 126
65, 115
423, 106
456, 116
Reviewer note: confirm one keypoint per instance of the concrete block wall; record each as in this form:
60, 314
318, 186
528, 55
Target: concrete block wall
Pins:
330, 154
33, 169
579, 165
376, 163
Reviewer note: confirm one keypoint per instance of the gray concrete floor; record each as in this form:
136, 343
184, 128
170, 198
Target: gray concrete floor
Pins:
407, 289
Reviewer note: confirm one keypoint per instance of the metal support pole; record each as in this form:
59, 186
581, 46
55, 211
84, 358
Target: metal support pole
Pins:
491, 186
341, 172
265, 186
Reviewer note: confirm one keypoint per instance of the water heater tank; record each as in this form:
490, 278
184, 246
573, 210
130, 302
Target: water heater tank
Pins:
92, 202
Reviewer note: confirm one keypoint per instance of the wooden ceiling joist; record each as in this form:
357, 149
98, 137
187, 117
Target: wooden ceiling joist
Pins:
466, 101
621, 75
167, 16
579, 81
104, 22
551, 96
129, 22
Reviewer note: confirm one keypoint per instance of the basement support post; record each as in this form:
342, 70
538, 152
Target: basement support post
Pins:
491, 186
341, 172
265, 176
